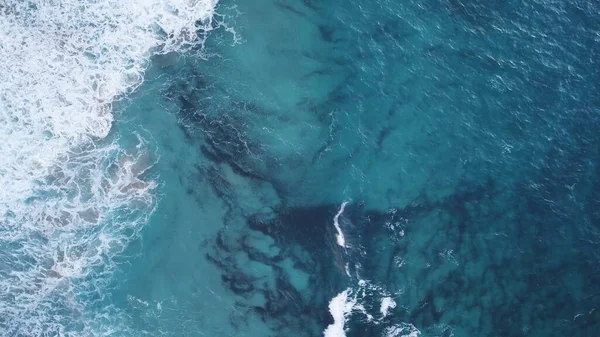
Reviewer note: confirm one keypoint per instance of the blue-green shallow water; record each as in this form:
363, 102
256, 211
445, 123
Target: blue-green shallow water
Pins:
464, 135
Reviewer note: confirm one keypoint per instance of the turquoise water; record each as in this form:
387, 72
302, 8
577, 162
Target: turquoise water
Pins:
454, 144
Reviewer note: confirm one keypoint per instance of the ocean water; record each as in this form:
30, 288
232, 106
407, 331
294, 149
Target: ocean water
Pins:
300, 168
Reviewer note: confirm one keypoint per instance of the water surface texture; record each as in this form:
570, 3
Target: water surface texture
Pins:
299, 168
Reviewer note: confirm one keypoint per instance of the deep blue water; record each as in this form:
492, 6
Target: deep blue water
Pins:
464, 136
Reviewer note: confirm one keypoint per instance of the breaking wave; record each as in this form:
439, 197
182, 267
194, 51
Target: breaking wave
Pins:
72, 195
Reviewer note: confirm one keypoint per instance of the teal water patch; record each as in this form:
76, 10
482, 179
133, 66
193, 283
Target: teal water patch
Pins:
464, 137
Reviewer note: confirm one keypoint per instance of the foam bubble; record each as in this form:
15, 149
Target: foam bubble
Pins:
72, 197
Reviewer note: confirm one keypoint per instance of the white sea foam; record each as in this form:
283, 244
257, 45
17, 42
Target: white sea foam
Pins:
340, 235
71, 197
351, 300
387, 303
402, 330
340, 307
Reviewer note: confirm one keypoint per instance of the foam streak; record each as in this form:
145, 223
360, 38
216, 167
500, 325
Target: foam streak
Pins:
340, 235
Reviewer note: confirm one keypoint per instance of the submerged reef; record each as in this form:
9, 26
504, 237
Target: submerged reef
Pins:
467, 155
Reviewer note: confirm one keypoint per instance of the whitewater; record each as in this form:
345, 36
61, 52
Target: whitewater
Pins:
72, 196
